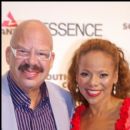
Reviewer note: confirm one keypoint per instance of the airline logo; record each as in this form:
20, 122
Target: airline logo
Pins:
11, 22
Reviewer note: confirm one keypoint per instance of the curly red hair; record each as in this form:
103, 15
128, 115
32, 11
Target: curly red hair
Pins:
123, 84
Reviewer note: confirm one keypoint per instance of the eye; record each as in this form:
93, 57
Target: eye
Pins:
103, 75
22, 52
84, 74
46, 54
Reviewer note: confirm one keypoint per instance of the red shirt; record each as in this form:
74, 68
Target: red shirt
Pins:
123, 123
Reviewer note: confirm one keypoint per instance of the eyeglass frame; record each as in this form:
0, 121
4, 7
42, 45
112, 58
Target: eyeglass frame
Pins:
20, 57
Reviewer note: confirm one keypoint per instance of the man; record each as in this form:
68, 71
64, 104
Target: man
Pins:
28, 101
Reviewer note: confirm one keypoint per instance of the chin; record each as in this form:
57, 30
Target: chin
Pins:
30, 84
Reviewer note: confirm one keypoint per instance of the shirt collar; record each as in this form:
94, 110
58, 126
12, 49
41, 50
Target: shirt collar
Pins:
19, 97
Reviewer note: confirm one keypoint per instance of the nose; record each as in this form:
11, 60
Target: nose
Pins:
32, 58
94, 81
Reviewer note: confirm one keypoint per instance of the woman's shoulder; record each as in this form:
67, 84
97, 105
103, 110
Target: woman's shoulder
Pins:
125, 107
80, 108
75, 122
124, 116
127, 101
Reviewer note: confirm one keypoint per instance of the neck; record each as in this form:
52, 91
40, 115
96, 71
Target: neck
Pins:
35, 97
99, 109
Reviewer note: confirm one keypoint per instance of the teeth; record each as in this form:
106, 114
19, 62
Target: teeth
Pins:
93, 91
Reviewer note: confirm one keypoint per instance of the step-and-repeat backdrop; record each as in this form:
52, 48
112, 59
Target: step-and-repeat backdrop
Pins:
69, 23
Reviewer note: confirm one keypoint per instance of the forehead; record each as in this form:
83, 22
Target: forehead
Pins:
96, 60
33, 35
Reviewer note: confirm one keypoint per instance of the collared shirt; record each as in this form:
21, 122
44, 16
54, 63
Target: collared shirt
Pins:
41, 118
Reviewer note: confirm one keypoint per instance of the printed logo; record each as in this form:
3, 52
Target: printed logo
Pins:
11, 22
126, 26
9, 25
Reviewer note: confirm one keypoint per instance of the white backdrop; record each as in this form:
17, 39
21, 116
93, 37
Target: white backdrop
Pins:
69, 23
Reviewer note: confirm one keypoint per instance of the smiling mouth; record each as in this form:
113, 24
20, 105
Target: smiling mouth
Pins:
30, 74
93, 93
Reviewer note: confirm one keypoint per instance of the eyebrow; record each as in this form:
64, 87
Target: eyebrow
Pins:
19, 47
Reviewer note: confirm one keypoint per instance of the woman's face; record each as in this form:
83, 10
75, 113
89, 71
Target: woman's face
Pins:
96, 76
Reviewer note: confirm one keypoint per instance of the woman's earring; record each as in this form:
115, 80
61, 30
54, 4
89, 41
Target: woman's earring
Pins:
77, 89
114, 89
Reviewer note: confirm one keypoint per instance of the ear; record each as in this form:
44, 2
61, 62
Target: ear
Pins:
52, 59
7, 54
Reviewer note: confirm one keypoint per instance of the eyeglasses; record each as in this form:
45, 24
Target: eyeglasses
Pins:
24, 53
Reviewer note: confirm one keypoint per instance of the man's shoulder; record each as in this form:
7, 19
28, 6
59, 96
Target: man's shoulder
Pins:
57, 90
55, 86
4, 81
59, 93
4, 76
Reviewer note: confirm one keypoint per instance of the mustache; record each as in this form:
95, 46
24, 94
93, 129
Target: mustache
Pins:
26, 66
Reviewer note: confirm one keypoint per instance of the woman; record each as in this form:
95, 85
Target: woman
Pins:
99, 81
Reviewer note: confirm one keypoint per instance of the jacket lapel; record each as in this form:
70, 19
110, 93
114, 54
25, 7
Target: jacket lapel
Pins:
59, 108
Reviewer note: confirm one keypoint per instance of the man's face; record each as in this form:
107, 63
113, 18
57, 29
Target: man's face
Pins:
31, 70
